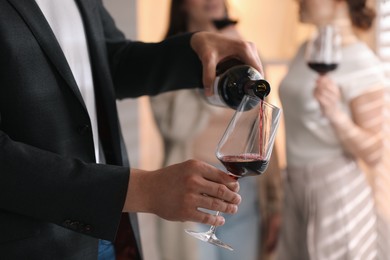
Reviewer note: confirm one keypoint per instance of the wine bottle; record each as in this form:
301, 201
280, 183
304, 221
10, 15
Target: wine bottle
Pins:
233, 81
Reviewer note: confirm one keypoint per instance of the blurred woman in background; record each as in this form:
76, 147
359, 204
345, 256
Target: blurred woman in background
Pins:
333, 122
182, 118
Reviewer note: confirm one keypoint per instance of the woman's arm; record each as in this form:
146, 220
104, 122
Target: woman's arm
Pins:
362, 133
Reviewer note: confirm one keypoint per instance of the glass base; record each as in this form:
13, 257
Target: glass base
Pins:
209, 237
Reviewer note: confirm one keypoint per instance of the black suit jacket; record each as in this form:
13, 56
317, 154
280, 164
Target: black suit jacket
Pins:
55, 202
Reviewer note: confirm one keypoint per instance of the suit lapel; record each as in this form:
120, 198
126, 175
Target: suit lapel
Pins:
40, 28
103, 84
97, 48
87, 9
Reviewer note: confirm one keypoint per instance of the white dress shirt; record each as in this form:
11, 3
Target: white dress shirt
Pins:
65, 20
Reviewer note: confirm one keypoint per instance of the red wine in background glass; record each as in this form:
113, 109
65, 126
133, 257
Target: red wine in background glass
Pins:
223, 23
244, 165
322, 68
323, 50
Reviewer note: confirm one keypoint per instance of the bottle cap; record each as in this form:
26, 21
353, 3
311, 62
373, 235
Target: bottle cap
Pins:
263, 87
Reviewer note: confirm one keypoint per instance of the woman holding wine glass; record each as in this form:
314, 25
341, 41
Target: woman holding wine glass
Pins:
333, 101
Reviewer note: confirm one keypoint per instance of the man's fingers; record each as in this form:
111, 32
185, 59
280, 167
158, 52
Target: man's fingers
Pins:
209, 70
208, 203
213, 48
218, 197
249, 55
207, 218
218, 176
212, 177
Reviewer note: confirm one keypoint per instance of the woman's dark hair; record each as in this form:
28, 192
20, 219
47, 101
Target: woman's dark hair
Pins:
178, 19
362, 16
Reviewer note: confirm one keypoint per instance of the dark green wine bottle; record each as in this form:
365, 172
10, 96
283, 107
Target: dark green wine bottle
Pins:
233, 81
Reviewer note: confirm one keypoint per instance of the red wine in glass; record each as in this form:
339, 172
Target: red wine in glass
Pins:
244, 165
323, 50
322, 68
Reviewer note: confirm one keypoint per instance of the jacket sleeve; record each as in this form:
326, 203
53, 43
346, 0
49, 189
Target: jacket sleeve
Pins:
150, 68
40, 183
44, 186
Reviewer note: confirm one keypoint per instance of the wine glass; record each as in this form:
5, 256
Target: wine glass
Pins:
245, 148
323, 51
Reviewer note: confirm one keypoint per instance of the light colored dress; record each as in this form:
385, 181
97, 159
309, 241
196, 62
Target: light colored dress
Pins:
329, 211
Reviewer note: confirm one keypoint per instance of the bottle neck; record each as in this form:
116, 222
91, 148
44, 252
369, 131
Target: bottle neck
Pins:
260, 88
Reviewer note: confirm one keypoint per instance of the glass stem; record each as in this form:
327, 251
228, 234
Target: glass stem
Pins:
214, 228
